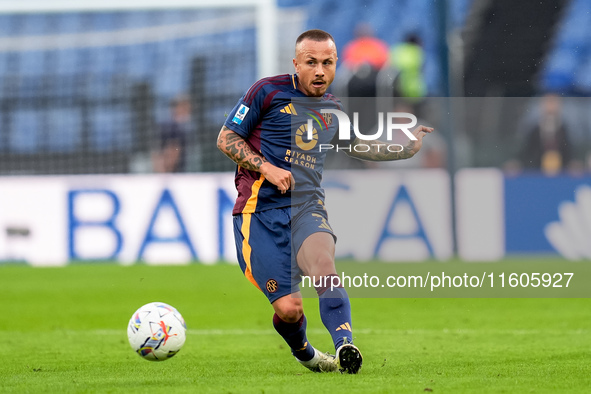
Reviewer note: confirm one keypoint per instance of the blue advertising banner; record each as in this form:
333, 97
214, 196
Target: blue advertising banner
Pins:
534, 204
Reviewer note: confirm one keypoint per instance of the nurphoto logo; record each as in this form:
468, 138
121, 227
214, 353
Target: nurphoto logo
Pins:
392, 120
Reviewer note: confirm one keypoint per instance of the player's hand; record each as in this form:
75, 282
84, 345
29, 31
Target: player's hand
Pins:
419, 132
281, 178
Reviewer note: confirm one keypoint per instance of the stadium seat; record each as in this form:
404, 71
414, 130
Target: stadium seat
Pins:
109, 131
65, 129
566, 67
32, 63
25, 134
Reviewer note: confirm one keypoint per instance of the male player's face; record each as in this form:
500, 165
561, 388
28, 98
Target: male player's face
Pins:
315, 63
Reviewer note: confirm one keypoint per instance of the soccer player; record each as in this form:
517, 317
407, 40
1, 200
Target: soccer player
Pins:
280, 224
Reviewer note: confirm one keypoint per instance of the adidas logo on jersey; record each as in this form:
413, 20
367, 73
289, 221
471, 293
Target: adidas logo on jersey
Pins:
289, 109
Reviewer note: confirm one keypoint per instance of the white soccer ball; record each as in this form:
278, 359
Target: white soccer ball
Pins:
156, 331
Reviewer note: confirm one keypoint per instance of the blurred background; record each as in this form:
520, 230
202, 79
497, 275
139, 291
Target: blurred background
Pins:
140, 87
109, 89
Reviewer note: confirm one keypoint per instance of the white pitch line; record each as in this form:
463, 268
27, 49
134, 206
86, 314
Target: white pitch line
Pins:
362, 331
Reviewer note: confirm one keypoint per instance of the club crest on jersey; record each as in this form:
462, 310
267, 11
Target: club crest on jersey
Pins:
240, 114
272, 285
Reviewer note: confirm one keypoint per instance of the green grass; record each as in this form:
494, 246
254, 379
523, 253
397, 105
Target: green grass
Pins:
64, 330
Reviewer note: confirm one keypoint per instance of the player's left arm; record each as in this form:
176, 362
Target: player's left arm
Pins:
378, 150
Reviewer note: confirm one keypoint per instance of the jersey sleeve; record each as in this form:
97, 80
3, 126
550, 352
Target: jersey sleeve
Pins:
245, 116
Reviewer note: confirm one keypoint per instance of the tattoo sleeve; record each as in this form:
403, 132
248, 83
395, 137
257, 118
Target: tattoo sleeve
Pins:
378, 151
236, 148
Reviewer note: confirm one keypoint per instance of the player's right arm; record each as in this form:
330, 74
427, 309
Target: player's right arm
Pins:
237, 149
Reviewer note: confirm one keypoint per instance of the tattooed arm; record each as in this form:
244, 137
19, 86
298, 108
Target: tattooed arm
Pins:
382, 151
236, 148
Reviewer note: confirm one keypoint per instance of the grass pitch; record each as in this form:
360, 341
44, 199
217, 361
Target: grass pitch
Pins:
64, 330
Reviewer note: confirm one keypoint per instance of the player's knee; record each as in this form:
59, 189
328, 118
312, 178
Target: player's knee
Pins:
323, 266
290, 312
